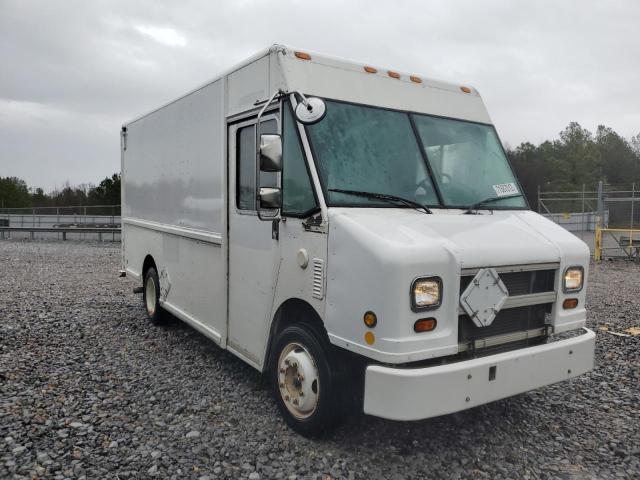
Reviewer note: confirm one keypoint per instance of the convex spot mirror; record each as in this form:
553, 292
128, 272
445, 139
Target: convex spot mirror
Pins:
270, 198
311, 110
270, 152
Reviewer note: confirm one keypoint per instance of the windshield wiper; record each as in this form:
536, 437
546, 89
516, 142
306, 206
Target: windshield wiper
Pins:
385, 197
482, 203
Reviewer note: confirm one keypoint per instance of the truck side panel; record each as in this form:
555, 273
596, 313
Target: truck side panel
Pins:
173, 183
174, 163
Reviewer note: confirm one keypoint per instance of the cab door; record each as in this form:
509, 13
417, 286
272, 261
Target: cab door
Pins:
253, 248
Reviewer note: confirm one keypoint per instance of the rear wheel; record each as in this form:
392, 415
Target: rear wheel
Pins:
151, 296
304, 381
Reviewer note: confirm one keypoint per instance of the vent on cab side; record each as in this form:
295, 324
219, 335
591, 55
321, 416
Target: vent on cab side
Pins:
318, 278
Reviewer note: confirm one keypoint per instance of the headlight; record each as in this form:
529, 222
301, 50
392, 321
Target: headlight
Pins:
573, 279
426, 293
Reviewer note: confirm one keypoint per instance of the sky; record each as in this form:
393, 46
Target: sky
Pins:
73, 71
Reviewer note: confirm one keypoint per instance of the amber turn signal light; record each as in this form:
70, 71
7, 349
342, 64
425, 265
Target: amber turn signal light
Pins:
370, 338
425, 325
370, 319
570, 303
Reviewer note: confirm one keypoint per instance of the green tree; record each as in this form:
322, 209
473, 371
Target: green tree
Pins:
635, 145
70, 196
620, 163
107, 193
530, 168
14, 193
576, 159
39, 198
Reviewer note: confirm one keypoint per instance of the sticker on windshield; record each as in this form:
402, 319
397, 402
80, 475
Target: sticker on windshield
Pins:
504, 189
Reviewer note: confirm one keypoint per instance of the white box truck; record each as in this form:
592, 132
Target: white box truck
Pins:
355, 233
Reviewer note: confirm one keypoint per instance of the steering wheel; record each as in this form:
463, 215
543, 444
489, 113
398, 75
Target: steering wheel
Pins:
426, 186
425, 183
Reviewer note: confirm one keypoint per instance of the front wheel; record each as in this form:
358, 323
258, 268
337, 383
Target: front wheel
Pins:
303, 380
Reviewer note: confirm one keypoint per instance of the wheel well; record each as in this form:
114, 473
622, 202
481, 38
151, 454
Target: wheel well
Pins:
290, 312
148, 263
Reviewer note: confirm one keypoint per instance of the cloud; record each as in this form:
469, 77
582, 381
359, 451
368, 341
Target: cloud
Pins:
166, 36
74, 72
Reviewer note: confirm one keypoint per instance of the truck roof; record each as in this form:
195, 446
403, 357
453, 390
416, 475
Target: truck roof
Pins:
370, 84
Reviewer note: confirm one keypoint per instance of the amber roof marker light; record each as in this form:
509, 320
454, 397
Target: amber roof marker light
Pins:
465, 89
370, 69
415, 79
302, 55
393, 74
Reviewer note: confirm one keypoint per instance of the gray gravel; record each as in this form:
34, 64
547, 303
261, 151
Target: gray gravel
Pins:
88, 389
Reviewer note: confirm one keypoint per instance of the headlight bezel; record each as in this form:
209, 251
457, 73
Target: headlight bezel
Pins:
565, 289
414, 306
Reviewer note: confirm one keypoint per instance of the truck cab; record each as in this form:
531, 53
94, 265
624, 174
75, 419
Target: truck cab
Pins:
359, 234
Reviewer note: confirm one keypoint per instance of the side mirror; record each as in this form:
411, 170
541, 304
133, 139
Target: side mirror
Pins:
310, 110
270, 152
270, 198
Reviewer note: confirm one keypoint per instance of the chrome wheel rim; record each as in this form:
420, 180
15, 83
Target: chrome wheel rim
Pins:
298, 380
150, 296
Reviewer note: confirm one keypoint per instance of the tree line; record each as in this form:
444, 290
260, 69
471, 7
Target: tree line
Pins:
15, 193
576, 158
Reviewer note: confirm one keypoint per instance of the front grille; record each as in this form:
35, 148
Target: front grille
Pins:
507, 321
511, 320
521, 283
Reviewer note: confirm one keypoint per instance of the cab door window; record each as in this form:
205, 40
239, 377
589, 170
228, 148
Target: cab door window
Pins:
298, 197
246, 165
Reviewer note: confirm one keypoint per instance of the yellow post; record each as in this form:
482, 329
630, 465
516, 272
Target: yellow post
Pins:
597, 254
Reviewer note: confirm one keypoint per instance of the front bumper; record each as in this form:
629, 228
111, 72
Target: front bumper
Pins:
417, 393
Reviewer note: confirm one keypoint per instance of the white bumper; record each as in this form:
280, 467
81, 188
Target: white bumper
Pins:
417, 393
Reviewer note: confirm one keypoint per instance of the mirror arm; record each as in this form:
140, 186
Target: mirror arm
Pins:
303, 99
277, 93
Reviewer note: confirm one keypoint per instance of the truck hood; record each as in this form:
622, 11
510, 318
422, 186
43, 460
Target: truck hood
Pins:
374, 255
486, 239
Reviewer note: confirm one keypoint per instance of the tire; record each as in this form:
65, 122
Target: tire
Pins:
151, 297
305, 383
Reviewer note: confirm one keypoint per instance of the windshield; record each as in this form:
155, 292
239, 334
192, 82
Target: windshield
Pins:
376, 150
468, 162
370, 150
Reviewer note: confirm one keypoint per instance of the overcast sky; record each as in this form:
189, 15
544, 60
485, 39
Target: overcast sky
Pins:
73, 71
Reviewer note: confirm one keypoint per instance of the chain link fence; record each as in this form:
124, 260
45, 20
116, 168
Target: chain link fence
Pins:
98, 216
79, 210
606, 217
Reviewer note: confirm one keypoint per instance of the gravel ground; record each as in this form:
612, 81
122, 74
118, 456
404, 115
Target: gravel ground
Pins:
88, 389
